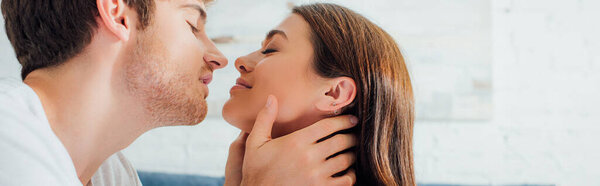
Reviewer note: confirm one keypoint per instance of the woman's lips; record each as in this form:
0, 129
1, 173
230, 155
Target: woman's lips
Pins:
243, 83
240, 84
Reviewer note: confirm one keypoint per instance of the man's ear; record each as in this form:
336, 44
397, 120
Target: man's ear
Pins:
113, 16
338, 93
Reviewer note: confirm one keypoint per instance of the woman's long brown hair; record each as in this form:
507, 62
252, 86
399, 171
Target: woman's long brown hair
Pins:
347, 44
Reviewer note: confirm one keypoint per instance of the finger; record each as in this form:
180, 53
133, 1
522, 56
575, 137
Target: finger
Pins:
235, 158
337, 144
242, 137
261, 131
325, 127
347, 179
239, 143
339, 163
238, 146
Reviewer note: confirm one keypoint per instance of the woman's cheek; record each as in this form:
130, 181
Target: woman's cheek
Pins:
282, 81
241, 110
289, 106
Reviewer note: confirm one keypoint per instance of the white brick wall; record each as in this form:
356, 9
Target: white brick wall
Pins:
542, 125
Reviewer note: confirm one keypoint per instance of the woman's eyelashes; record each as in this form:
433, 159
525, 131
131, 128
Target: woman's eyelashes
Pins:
268, 51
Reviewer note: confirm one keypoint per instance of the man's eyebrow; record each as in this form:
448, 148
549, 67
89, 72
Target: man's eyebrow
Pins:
198, 8
275, 32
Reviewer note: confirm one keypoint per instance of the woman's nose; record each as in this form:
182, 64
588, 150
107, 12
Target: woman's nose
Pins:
245, 64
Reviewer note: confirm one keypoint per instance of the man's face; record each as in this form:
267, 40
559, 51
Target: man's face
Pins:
171, 64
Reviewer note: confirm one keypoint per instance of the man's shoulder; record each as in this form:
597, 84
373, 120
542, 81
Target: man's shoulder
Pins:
19, 102
10, 84
14, 94
31, 152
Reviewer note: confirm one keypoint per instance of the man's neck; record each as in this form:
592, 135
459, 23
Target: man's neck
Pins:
85, 115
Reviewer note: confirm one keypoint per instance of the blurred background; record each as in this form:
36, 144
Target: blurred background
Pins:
506, 89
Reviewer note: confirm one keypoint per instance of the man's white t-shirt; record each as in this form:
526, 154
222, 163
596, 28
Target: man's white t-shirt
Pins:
30, 152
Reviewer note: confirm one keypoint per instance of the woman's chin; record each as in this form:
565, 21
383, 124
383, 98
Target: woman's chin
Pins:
242, 126
237, 122
237, 117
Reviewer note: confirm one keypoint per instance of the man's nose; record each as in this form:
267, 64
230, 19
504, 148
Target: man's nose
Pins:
214, 58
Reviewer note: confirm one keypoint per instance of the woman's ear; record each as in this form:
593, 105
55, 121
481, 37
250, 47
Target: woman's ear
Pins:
113, 15
337, 93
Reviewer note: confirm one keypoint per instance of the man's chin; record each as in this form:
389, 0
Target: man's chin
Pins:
198, 120
198, 116
186, 113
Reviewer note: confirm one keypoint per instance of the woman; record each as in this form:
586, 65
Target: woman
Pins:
326, 60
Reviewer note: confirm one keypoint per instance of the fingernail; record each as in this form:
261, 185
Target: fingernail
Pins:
269, 101
353, 120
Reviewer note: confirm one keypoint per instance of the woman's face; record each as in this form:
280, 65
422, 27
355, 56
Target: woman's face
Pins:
281, 67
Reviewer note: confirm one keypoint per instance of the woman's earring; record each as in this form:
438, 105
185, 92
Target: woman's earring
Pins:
336, 112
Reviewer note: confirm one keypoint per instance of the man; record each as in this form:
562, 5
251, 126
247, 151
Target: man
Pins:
97, 75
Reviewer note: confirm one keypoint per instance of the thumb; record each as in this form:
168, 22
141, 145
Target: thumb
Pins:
261, 131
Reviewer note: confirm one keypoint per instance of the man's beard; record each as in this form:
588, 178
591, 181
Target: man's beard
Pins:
169, 97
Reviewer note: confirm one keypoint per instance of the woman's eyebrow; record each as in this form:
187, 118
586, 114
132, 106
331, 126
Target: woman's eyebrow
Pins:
275, 32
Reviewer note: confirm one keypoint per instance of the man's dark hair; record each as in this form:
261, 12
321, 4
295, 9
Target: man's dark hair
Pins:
46, 33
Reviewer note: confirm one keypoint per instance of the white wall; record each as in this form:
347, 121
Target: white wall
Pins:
546, 84
542, 126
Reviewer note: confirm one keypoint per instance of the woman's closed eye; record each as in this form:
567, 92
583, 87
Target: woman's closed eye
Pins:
268, 51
